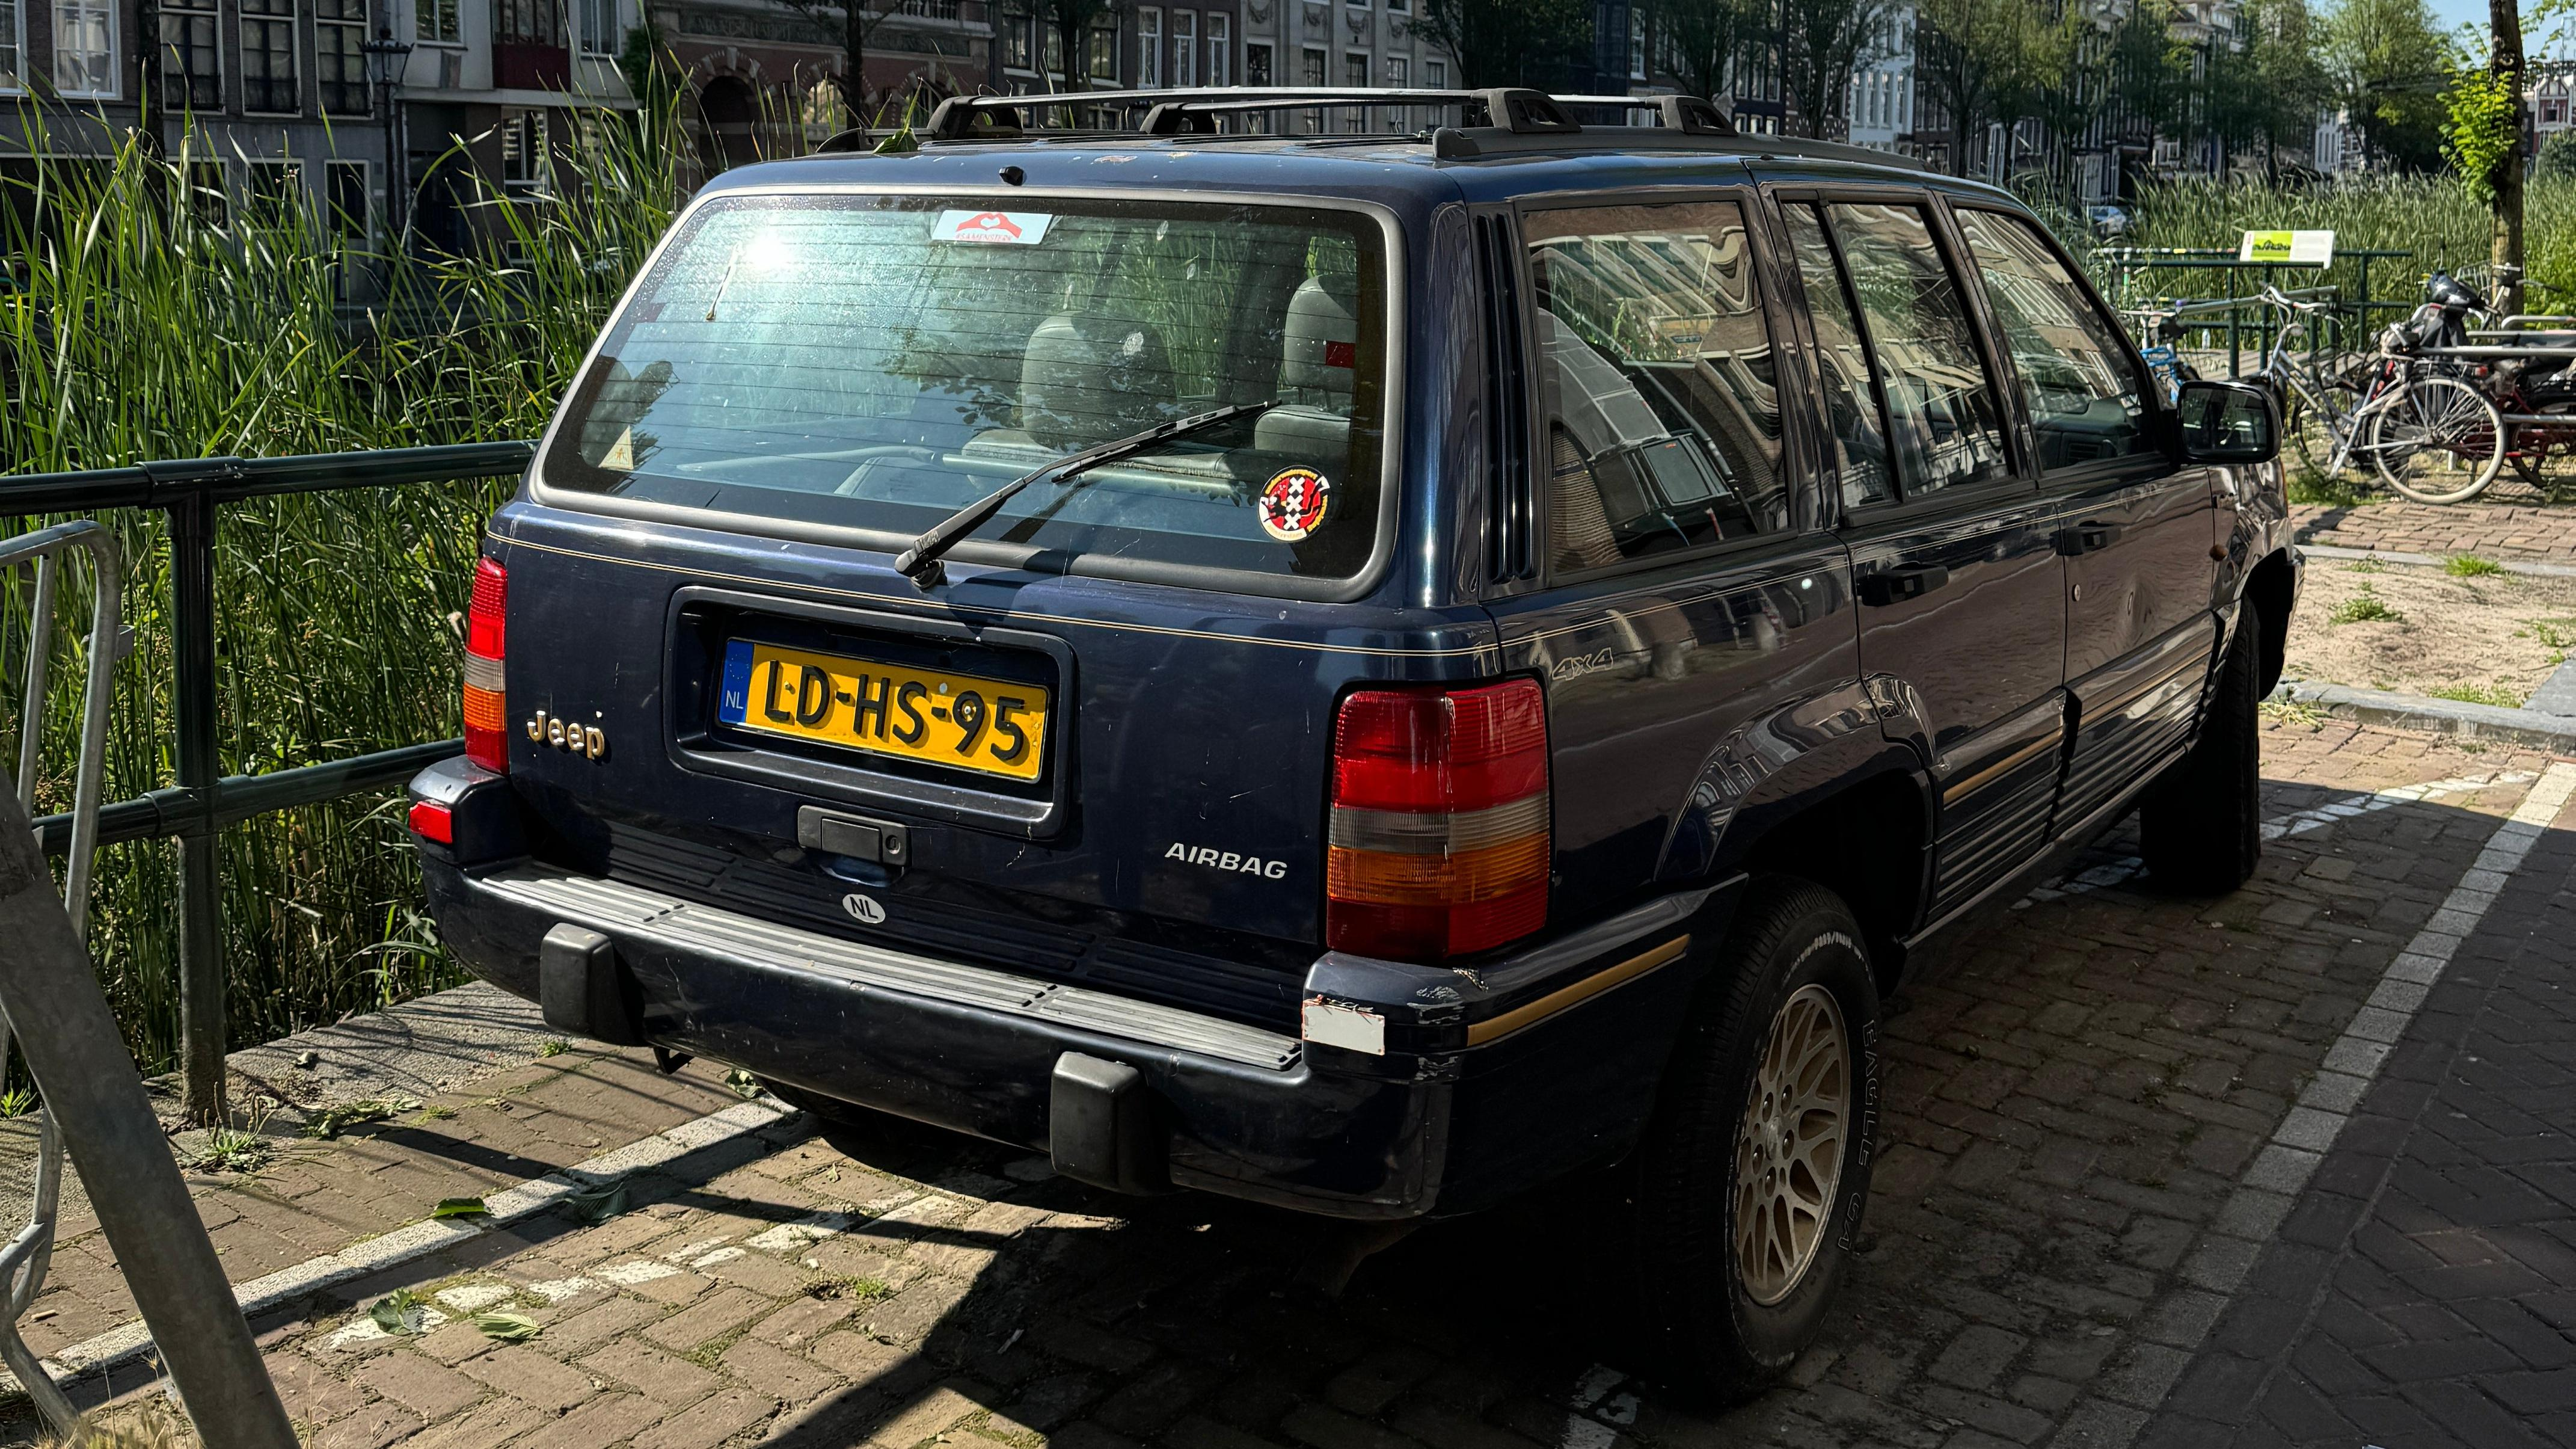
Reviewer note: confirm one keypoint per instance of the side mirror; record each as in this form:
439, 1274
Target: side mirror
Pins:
2229, 422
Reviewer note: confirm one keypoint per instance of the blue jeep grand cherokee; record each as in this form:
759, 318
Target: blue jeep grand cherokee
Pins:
1363, 671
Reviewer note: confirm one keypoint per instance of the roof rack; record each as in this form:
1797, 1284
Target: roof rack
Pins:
1511, 110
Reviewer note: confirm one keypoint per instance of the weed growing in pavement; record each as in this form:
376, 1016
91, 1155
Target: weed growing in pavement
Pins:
2495, 694
842, 1287
2291, 712
2365, 607
743, 1084
239, 1149
554, 1048
2365, 566
2308, 485
331, 1121
2470, 566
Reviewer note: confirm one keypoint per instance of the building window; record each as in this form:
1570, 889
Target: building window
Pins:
344, 193
1149, 48
271, 188
13, 45
1396, 7
1435, 73
1220, 49
1256, 63
192, 74
435, 21
208, 200
1104, 51
268, 58
339, 67
1355, 68
527, 22
523, 150
1185, 47
1018, 53
85, 47
1314, 63
599, 30
1399, 71
1637, 52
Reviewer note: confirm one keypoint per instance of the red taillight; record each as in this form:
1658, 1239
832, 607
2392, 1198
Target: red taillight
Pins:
486, 742
432, 821
1439, 833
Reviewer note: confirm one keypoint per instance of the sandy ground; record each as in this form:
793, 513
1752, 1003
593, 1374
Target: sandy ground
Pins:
2493, 638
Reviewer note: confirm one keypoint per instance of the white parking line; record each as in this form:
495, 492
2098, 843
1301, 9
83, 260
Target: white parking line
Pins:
2128, 867
2222, 1254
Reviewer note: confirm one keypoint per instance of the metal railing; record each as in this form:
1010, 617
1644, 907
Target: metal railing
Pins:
201, 803
2239, 312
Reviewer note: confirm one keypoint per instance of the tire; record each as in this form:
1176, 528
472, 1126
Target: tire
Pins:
2200, 828
2438, 440
1795, 973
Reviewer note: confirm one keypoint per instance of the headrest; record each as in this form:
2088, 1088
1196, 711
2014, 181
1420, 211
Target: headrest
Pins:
1322, 336
1088, 380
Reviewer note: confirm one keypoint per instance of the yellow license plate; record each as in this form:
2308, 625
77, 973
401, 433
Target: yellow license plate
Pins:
992, 726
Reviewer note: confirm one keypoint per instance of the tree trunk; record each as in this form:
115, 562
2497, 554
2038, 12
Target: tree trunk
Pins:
2505, 64
148, 122
854, 50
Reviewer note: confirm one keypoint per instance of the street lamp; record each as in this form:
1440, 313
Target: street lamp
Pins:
385, 57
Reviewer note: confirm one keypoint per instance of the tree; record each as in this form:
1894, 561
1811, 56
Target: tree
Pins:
851, 22
2391, 64
1072, 22
2558, 156
2265, 92
2504, 193
1982, 61
1821, 43
1508, 42
1695, 41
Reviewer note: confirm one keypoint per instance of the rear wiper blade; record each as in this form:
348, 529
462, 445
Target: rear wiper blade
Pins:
920, 563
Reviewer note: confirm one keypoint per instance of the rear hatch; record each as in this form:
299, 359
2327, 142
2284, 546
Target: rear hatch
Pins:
1100, 751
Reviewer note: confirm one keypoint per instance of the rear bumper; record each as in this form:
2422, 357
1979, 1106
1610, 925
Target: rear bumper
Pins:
1490, 1082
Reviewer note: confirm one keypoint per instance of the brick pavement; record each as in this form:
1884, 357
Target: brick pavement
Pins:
2069, 1097
2423, 1291
2490, 530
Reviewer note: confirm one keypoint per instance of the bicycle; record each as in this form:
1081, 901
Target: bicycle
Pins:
2427, 433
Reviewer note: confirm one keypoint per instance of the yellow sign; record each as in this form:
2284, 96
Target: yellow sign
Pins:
2288, 248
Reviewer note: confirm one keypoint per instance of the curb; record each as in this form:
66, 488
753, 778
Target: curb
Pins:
2555, 733
2432, 560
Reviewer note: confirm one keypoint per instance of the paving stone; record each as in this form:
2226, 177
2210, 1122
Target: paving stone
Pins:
420, 1384
531, 1377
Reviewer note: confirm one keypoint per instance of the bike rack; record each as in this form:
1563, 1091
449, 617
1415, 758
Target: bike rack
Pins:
26, 1256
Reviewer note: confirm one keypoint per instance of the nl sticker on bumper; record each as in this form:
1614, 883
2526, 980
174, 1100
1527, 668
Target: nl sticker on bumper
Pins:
1007, 228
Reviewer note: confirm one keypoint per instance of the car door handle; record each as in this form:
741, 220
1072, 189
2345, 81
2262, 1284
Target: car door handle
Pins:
2087, 537
1891, 586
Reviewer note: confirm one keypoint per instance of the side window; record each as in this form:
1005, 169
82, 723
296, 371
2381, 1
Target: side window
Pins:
1851, 396
2077, 372
1656, 381
1943, 419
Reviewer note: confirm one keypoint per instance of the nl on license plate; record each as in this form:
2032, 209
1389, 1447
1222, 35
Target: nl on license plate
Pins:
994, 726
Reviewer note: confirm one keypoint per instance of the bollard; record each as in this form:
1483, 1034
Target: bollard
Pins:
91, 1085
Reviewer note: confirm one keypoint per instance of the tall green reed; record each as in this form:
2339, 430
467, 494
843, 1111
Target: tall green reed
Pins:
145, 319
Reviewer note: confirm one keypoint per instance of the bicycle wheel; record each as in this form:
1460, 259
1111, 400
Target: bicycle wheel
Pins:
2435, 441
2310, 430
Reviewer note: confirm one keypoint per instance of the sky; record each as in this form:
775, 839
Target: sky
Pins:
2452, 14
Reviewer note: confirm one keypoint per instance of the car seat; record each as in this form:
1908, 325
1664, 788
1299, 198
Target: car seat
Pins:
1319, 352
1085, 380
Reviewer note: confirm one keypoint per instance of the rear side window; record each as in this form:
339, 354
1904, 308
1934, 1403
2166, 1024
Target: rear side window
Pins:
2076, 370
1655, 380
1849, 383
1943, 421
877, 363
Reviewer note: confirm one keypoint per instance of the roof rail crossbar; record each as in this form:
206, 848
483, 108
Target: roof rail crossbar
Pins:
1678, 113
1171, 112
1195, 111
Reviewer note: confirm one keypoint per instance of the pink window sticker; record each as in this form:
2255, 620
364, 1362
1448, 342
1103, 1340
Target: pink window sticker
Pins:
1293, 502
1007, 228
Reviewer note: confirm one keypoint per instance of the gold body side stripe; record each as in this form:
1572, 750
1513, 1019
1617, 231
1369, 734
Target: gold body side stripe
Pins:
1479, 1033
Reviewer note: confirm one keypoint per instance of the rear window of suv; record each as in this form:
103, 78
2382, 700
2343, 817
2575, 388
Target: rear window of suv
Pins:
878, 362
